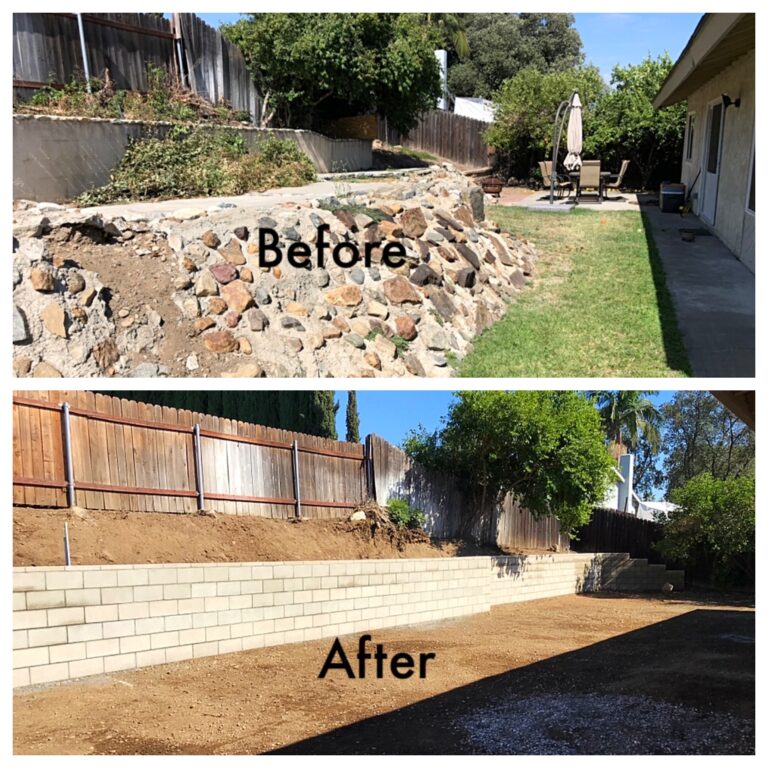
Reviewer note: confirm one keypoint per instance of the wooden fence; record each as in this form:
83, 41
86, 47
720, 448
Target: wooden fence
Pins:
447, 135
46, 48
613, 531
448, 510
126, 455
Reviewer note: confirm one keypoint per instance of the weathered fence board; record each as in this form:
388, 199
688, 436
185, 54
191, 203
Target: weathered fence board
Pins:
46, 48
454, 137
128, 455
450, 513
613, 531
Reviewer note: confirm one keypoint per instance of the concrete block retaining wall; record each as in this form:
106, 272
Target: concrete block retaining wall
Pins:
57, 158
86, 620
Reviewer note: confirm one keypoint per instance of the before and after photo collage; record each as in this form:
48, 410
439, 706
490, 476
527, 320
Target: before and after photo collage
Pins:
383, 383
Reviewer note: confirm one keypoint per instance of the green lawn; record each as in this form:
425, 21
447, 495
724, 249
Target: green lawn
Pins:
598, 305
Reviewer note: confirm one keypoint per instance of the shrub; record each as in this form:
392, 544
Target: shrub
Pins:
403, 515
201, 162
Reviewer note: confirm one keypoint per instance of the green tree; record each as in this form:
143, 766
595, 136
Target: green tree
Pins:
625, 124
353, 419
545, 448
627, 416
525, 114
502, 44
450, 27
310, 67
713, 529
702, 435
311, 412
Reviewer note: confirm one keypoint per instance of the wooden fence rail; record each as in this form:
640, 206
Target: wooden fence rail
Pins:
46, 49
126, 455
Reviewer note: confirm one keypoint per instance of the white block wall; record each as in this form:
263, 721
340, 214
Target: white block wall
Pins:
87, 620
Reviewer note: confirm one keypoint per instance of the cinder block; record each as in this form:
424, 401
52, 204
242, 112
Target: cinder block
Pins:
148, 593
64, 616
192, 605
283, 572
53, 599
242, 629
177, 591
78, 633
231, 646
227, 588
183, 621
102, 647
273, 585
261, 572
20, 639
30, 619
208, 619
205, 649
30, 657
111, 595
263, 627
75, 597
132, 644
19, 601
28, 581
47, 636
192, 636
164, 639
163, 608
97, 613
163, 575
68, 652
131, 611
122, 661
148, 658
99, 579
150, 626
204, 589
215, 573
63, 579
119, 628
238, 602
251, 587
253, 641
133, 577
21, 677
86, 667
216, 633
180, 653
50, 673
239, 572
187, 575
216, 603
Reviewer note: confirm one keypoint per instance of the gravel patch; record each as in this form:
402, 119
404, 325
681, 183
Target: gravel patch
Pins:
603, 724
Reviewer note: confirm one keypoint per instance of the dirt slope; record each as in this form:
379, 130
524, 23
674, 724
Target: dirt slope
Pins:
149, 537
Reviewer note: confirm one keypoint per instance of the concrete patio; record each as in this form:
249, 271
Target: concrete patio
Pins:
713, 294
522, 197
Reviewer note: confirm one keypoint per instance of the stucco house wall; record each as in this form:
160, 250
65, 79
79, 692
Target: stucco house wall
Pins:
734, 224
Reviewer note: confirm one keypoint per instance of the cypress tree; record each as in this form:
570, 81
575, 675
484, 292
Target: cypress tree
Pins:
353, 418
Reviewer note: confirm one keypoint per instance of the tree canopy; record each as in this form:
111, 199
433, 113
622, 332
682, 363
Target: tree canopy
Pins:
546, 448
626, 125
526, 108
502, 44
353, 418
311, 412
702, 435
315, 66
627, 416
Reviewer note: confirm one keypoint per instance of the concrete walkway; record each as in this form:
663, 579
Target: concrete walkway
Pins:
713, 294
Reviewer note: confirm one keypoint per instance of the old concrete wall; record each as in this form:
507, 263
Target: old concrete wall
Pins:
732, 221
87, 620
57, 158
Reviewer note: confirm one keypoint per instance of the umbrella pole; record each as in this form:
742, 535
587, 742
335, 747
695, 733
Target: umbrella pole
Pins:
562, 113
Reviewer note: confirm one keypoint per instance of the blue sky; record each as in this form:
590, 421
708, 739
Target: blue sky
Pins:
608, 38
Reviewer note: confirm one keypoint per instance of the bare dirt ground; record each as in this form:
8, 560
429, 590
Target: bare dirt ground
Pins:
103, 538
690, 656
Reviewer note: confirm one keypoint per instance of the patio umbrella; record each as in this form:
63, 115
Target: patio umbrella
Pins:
573, 158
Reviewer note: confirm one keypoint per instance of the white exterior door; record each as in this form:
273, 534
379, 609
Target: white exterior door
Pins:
711, 168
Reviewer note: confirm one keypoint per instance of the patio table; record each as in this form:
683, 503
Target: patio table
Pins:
604, 175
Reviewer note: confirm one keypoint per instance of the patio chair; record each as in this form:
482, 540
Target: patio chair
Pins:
590, 178
562, 183
614, 180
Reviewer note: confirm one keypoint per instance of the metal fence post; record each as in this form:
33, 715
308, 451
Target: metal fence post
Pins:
296, 480
69, 472
199, 484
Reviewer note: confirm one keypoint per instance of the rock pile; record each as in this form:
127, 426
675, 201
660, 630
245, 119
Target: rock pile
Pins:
417, 319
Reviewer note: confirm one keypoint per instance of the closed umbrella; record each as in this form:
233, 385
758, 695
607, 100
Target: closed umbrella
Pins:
573, 158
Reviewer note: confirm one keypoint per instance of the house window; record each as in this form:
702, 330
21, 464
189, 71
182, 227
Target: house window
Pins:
689, 136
